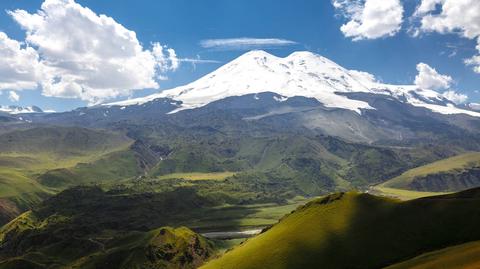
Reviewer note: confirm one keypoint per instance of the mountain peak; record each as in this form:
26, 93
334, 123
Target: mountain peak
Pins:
20, 110
303, 54
257, 53
302, 73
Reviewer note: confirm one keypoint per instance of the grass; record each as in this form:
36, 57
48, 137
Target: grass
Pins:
85, 227
26, 178
14, 183
239, 217
39, 162
463, 256
199, 176
160, 248
452, 165
18, 193
223, 246
402, 194
355, 230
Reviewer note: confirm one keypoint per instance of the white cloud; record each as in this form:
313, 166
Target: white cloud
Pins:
364, 76
245, 43
475, 60
429, 78
370, 19
199, 61
457, 98
19, 65
90, 56
13, 96
452, 16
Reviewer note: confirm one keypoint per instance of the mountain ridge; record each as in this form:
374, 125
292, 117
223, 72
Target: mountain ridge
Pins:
14, 110
301, 73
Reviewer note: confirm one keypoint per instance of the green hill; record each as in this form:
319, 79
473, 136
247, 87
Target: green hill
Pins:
352, 230
160, 248
59, 141
452, 174
85, 227
28, 156
314, 165
457, 257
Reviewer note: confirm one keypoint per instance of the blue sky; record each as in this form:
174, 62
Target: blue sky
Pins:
314, 25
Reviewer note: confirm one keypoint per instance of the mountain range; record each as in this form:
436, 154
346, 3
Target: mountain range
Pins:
234, 152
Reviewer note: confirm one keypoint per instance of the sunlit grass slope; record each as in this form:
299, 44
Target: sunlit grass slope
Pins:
465, 256
403, 194
27, 155
451, 174
352, 230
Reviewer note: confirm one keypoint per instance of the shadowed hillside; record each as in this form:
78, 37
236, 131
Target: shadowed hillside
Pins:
456, 257
85, 227
351, 230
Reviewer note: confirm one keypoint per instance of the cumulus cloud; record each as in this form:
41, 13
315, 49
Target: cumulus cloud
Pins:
475, 60
370, 19
452, 16
19, 65
13, 96
245, 43
457, 98
90, 56
429, 78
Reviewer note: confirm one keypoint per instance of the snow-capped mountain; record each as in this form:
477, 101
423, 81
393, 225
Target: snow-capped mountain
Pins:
20, 110
300, 74
474, 106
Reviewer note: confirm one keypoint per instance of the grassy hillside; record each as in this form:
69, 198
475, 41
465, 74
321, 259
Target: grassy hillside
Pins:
401, 193
199, 176
114, 166
27, 157
18, 192
90, 228
160, 248
85, 227
463, 256
352, 230
314, 165
60, 141
451, 174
